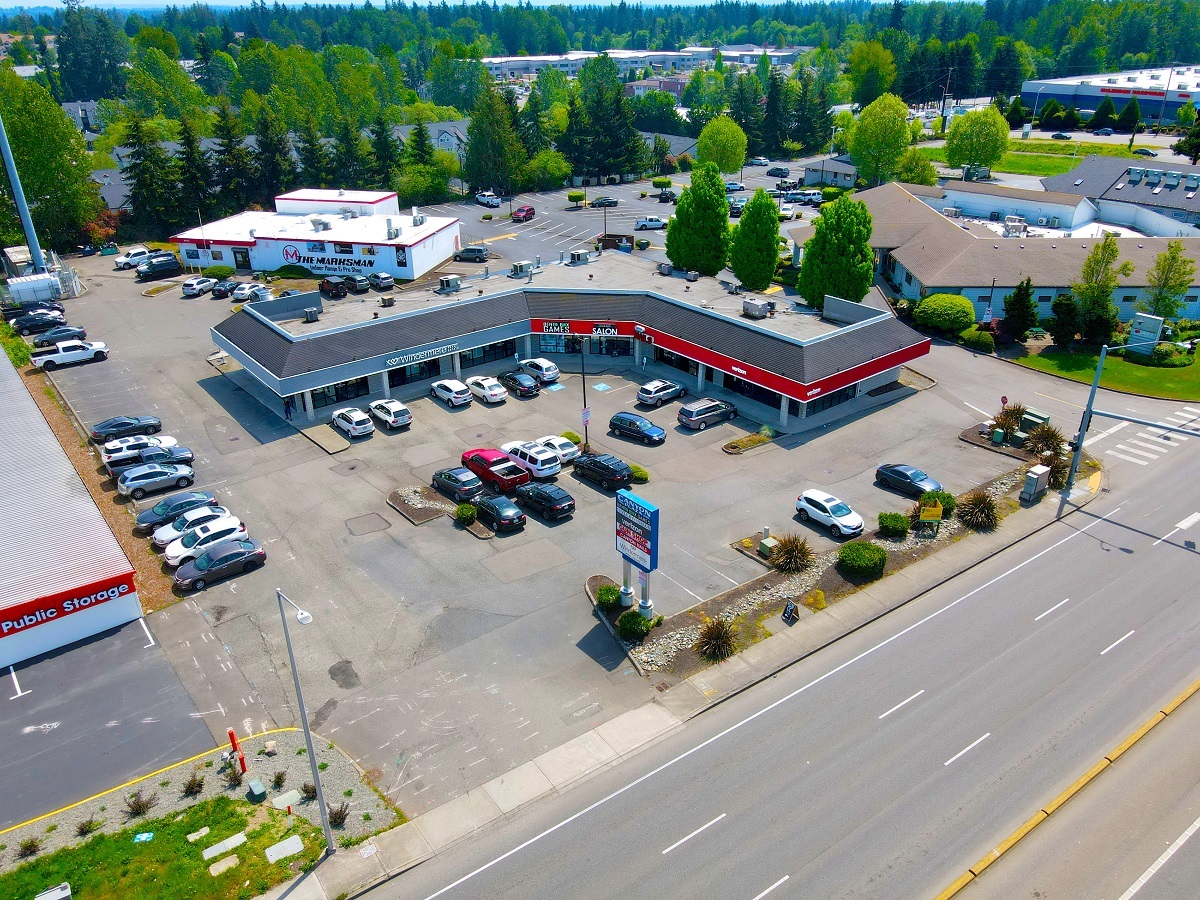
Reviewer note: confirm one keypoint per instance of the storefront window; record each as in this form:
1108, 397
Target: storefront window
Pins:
217, 254
421, 371
612, 346
490, 353
823, 403
753, 391
192, 253
559, 343
340, 393
682, 363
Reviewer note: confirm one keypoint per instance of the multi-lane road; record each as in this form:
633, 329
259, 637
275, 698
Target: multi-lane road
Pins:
885, 765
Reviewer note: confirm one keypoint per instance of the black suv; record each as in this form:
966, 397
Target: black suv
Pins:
333, 286
171, 508
37, 321
159, 265
668, 196
359, 284
551, 501
605, 469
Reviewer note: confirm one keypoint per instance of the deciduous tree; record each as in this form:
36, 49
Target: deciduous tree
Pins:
722, 143
871, 70
1100, 277
880, 138
1168, 279
978, 138
754, 249
698, 235
914, 168
1189, 144
838, 258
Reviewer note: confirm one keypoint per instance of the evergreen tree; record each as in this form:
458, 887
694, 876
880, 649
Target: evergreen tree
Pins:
774, 130
233, 168
195, 175
762, 71
419, 149
351, 165
745, 108
385, 152
153, 180
1130, 116
531, 127
1189, 144
698, 235
274, 166
314, 157
1020, 311
1065, 324
576, 142
838, 259
754, 250
1105, 115
1102, 271
494, 152
1017, 114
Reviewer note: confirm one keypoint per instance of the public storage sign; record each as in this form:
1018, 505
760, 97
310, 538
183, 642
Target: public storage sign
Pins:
32, 613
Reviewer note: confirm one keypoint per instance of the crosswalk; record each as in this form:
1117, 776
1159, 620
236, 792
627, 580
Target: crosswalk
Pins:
1147, 443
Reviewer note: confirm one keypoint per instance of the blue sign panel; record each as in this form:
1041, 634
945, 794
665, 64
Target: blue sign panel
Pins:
637, 530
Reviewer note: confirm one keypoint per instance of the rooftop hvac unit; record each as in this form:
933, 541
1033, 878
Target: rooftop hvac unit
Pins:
994, 215
387, 302
1154, 176
418, 220
579, 257
449, 283
1136, 173
665, 268
521, 269
755, 309
1054, 221
311, 313
693, 276
1173, 178
1043, 221
952, 212
1192, 180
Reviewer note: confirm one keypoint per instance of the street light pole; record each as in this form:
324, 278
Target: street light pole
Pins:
1162, 109
305, 618
1036, 100
583, 381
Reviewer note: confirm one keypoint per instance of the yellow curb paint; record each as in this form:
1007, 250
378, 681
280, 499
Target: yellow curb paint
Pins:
1075, 787
1135, 737
773, 289
1011, 841
120, 787
955, 886
1094, 482
1187, 692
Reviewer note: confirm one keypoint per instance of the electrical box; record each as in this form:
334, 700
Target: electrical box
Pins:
1037, 480
311, 314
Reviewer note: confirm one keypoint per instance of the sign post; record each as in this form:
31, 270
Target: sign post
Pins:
637, 542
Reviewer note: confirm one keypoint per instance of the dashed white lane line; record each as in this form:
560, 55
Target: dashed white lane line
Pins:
1052, 609
971, 746
1159, 449
1114, 643
902, 702
772, 887
1158, 863
693, 834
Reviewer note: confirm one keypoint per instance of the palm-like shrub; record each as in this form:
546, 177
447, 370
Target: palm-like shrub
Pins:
791, 554
978, 511
716, 640
1060, 467
1045, 439
1009, 419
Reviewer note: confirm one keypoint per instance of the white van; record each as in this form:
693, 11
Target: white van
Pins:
812, 197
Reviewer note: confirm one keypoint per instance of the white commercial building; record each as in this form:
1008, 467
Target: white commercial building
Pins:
1156, 90
328, 232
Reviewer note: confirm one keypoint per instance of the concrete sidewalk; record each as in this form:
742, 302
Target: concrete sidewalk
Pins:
390, 853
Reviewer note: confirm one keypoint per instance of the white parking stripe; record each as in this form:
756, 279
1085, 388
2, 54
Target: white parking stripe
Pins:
1140, 462
1138, 452
1159, 448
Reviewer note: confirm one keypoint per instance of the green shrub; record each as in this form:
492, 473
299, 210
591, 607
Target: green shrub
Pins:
576, 197
233, 776
14, 346
979, 341
278, 779
219, 272
86, 827
791, 554
1009, 419
640, 475
28, 848
861, 560
292, 271
633, 626
1045, 439
309, 790
943, 497
465, 514
1060, 467
194, 785
572, 437
684, 161
816, 601
642, 195
716, 641
978, 511
487, 217
661, 183
608, 596
893, 525
138, 804
948, 313
829, 194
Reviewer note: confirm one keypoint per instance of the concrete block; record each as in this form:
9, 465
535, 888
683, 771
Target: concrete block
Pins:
289, 846
223, 865
347, 872
684, 699
575, 758
225, 846
458, 818
518, 787
637, 727
283, 801
720, 680
196, 835
402, 847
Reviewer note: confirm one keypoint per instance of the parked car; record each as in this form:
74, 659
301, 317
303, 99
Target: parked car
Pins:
495, 468
731, 186
566, 449
132, 258
759, 161
1060, 136
813, 197
459, 483
125, 447
169, 532
550, 501
358, 284
333, 286
353, 421
794, 196
291, 292
262, 292
606, 470
523, 213
736, 210
541, 369
1103, 132
601, 202
473, 253
822, 507
194, 287
487, 198
122, 426
632, 425
24, 307
487, 389
646, 223
243, 290
159, 265
229, 558
500, 514
139, 482
149, 456
60, 333
659, 391
65, 353
1144, 151
908, 479
38, 322
538, 460
779, 172
195, 541
668, 196
699, 414
773, 193
391, 413
171, 508
786, 211
450, 391
381, 281
520, 384
224, 289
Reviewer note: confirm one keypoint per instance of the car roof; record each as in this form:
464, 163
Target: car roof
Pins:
818, 494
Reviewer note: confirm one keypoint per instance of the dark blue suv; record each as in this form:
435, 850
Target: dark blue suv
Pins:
635, 426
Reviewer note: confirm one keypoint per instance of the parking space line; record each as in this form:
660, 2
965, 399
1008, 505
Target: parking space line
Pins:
16, 684
149, 636
706, 565
977, 409
677, 584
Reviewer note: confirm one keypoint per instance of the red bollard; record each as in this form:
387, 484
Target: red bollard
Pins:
233, 741
242, 761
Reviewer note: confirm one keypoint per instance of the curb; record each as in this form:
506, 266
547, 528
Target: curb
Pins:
1085, 384
1058, 802
599, 615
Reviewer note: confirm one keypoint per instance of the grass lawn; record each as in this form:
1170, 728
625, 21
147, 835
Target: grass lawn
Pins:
1040, 164
1172, 384
113, 867
1066, 148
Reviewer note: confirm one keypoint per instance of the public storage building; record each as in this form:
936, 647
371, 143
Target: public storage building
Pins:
63, 576
328, 232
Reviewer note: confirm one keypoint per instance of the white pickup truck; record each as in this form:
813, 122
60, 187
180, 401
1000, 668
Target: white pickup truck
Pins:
649, 222
68, 352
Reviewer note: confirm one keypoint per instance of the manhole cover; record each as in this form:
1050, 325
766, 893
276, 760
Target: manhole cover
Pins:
349, 467
661, 686
367, 524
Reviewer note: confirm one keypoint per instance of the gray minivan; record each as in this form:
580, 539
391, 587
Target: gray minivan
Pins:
474, 253
699, 414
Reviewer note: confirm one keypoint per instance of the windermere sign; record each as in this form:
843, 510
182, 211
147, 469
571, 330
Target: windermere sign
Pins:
421, 355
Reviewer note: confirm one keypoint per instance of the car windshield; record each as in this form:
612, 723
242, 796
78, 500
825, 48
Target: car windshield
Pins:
203, 562
180, 524
917, 475
645, 425
161, 508
840, 509
190, 539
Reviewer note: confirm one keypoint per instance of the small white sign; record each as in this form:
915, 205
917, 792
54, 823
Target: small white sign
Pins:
587, 416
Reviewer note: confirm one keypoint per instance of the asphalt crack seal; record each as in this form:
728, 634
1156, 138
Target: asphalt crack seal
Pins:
344, 676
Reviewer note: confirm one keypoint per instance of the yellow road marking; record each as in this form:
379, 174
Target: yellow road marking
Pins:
499, 237
773, 289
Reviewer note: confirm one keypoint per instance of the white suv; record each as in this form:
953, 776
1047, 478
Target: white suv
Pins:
538, 460
451, 391
487, 198
541, 369
132, 258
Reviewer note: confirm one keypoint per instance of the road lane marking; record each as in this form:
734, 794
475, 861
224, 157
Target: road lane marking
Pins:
902, 702
1165, 431
1158, 448
149, 636
970, 746
1161, 440
1057, 400
693, 834
772, 887
1132, 459
1105, 433
1052, 609
1158, 863
982, 412
1166, 536
1189, 521
770, 707
1138, 452
16, 684
1114, 643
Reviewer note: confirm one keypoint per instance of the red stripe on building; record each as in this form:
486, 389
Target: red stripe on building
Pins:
51, 608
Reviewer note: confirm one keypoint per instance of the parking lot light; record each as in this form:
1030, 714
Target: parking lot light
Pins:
304, 618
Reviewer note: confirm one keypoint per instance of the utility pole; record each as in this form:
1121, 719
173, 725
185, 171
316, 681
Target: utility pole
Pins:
945, 94
1162, 109
35, 249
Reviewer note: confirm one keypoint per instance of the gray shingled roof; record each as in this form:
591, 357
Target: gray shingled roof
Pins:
1101, 175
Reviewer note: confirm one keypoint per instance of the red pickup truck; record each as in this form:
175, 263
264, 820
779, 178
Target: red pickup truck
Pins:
495, 469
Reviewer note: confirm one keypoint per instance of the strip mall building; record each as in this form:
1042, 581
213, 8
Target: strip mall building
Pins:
63, 576
793, 365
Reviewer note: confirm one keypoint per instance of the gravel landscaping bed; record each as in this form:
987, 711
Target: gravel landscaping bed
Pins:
341, 781
419, 504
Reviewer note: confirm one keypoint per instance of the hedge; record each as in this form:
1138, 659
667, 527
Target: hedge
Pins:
945, 498
950, 313
608, 596
640, 475
219, 272
861, 560
979, 341
572, 437
633, 626
465, 514
292, 272
893, 525
14, 346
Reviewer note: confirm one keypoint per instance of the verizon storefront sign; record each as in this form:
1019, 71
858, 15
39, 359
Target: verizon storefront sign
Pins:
47, 623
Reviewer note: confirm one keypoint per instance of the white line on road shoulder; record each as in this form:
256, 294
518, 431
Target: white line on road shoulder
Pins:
1164, 537
16, 684
693, 834
772, 887
902, 702
1052, 609
1158, 863
149, 636
761, 712
977, 409
970, 746
1114, 643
